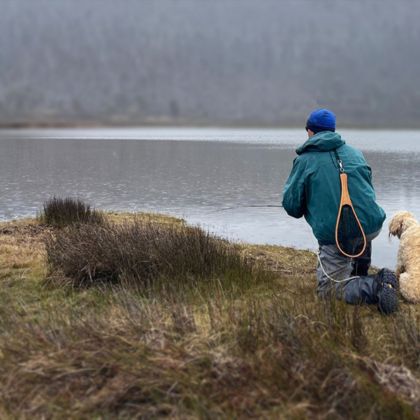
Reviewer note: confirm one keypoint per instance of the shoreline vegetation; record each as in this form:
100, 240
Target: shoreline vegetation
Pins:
116, 315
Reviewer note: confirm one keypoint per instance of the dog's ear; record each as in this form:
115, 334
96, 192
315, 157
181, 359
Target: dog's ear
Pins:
398, 224
395, 226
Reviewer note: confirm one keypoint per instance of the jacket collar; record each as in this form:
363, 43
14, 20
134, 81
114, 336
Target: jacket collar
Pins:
323, 141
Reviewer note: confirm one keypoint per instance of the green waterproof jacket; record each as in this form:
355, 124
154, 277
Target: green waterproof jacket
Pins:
313, 188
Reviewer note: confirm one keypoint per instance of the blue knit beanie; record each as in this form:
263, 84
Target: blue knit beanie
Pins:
321, 120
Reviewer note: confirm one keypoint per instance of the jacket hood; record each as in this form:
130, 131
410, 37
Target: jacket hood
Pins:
321, 142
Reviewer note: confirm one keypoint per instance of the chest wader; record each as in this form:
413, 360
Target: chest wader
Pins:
350, 237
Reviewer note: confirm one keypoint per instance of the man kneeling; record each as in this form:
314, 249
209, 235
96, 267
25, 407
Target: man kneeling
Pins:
313, 190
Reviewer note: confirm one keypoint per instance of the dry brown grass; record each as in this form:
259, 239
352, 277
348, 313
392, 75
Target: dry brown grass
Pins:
269, 349
141, 253
21, 249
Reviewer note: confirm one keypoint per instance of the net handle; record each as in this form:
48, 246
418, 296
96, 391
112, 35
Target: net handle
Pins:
345, 200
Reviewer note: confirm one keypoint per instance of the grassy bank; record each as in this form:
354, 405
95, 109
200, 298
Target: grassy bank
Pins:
248, 339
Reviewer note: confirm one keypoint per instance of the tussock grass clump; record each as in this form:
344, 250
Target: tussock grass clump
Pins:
140, 253
59, 212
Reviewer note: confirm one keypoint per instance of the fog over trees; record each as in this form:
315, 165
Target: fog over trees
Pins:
209, 61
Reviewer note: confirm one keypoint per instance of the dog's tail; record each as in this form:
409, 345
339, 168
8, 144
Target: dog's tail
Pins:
408, 288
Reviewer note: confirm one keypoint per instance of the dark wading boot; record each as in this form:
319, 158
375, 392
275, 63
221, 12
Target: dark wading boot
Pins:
387, 291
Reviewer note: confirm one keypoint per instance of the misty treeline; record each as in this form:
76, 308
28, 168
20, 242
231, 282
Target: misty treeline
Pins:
209, 61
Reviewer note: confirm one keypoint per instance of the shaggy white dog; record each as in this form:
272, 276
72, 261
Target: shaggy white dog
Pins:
407, 228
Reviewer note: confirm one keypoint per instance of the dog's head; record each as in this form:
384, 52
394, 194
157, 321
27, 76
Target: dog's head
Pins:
401, 221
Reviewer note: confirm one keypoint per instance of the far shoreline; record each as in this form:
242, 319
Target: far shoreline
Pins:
374, 126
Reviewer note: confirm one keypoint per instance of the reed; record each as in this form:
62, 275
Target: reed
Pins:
59, 212
143, 254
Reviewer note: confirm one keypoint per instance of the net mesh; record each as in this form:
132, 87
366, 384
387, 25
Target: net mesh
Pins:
349, 234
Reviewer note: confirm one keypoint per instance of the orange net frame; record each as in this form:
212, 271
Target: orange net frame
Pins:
350, 237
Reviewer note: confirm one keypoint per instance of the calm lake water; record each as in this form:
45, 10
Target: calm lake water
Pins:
211, 177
